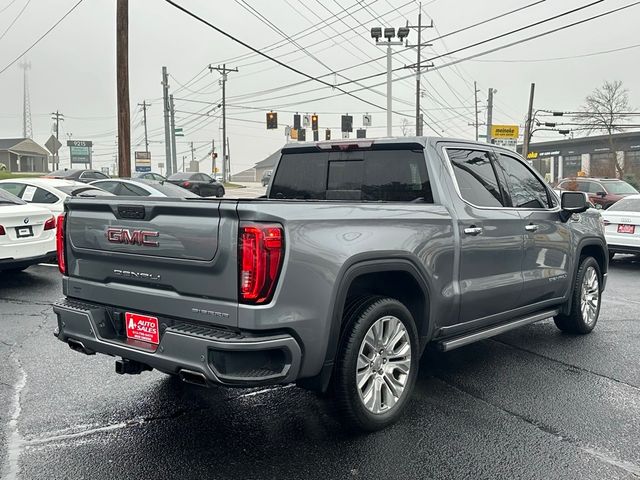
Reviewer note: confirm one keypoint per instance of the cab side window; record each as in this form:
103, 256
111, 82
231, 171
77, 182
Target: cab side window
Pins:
476, 177
525, 189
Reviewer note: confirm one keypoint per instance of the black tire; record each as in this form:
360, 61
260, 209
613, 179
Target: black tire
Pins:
361, 315
220, 192
14, 270
576, 322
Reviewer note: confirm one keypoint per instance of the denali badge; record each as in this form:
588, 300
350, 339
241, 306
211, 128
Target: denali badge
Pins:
132, 237
140, 275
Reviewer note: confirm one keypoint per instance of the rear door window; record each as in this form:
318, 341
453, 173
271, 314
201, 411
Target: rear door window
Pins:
43, 196
13, 188
396, 175
476, 177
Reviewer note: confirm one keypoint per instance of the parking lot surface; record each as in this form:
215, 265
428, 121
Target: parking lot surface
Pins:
533, 403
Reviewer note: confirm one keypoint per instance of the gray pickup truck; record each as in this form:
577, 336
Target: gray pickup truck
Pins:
361, 254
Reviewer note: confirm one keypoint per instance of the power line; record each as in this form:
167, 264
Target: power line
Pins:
7, 6
15, 19
570, 57
41, 37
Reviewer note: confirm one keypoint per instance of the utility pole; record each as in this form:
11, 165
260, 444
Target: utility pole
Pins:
174, 155
490, 114
527, 125
57, 116
475, 97
213, 156
223, 71
229, 160
167, 133
144, 106
418, 46
122, 74
192, 156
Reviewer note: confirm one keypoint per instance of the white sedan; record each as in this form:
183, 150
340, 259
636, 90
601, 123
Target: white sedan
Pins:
27, 234
49, 193
622, 226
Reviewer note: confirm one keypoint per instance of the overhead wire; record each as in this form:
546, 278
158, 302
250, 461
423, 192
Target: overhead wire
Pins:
15, 19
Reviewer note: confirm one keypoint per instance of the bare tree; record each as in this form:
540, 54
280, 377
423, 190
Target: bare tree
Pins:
603, 112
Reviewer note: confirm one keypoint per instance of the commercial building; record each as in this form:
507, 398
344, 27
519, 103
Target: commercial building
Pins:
23, 155
255, 174
595, 156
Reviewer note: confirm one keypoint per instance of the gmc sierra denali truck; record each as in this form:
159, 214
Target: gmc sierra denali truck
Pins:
360, 255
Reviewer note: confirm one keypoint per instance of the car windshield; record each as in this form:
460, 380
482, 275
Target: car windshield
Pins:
619, 188
180, 176
7, 198
626, 205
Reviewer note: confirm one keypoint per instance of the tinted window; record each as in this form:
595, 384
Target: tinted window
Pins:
99, 175
372, 175
88, 175
171, 190
132, 190
8, 198
626, 205
13, 188
525, 189
43, 196
108, 186
181, 176
205, 178
476, 178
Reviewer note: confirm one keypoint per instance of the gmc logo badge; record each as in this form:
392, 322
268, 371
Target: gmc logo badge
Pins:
132, 237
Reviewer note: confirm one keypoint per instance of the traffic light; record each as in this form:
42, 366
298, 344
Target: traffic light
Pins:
272, 120
327, 134
302, 135
347, 123
296, 121
314, 122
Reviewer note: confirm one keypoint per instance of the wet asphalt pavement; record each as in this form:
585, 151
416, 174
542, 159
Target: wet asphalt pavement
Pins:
533, 403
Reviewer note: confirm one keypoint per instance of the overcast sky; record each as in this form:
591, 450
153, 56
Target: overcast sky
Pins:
73, 68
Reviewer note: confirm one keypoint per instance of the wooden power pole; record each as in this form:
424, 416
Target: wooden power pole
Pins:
122, 77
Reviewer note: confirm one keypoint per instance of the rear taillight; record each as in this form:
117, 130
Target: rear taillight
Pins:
60, 245
2, 230
50, 224
261, 250
186, 184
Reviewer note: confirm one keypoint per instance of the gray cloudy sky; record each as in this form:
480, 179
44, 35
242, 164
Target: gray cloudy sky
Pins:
73, 68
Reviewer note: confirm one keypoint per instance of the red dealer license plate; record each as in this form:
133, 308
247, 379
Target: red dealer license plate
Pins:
142, 327
626, 228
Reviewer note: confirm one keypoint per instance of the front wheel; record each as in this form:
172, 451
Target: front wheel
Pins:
585, 299
377, 364
220, 192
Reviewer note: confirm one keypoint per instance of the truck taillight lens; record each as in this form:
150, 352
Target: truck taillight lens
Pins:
60, 244
50, 224
261, 250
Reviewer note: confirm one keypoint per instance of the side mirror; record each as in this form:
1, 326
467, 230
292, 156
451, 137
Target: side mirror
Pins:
602, 194
574, 202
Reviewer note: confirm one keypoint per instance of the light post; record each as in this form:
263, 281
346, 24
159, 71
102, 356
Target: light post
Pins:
389, 33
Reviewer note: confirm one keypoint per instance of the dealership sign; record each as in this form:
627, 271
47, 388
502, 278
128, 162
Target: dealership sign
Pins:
143, 161
80, 151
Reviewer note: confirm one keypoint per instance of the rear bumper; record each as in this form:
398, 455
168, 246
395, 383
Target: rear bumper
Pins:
221, 356
9, 263
633, 249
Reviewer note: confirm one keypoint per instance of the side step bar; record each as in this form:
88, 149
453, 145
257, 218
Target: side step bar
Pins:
461, 340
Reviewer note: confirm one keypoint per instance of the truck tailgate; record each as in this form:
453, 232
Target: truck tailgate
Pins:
169, 256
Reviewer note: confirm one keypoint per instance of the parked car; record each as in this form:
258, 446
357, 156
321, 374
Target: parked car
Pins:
622, 226
199, 183
142, 188
27, 234
84, 176
266, 176
601, 191
149, 176
340, 277
49, 193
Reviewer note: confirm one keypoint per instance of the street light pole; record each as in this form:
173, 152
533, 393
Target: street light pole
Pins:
389, 100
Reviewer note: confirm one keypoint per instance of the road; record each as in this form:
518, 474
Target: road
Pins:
533, 403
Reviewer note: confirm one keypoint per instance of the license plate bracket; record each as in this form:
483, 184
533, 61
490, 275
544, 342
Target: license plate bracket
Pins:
624, 228
24, 232
142, 327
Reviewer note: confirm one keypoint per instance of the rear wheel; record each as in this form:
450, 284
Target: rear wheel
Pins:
220, 192
377, 364
585, 299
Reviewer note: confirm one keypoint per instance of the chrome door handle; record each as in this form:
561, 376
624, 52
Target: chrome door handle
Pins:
473, 230
531, 227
